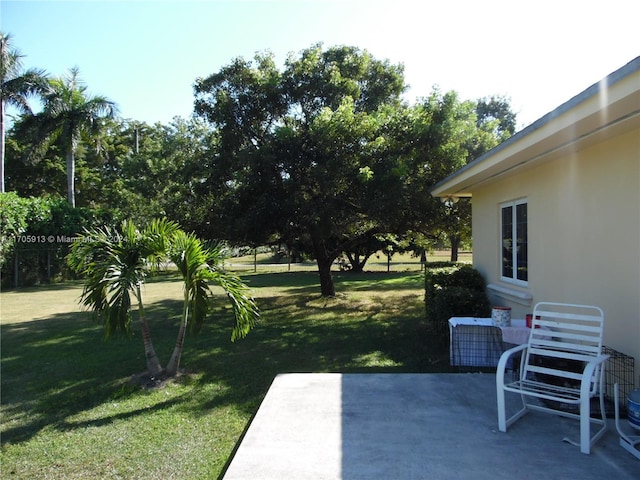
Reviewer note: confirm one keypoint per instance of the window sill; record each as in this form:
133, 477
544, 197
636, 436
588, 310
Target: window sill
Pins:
511, 294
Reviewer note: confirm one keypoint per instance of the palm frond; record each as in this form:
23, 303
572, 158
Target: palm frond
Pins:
114, 265
245, 308
190, 257
16, 90
10, 57
158, 237
200, 301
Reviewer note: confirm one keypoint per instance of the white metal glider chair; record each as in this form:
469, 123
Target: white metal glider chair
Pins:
562, 367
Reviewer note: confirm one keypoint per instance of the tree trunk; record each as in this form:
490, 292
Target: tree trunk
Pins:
153, 363
71, 172
357, 267
455, 246
2, 146
324, 260
358, 261
174, 362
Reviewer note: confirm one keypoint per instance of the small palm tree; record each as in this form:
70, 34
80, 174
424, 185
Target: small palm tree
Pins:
198, 265
16, 86
68, 112
116, 264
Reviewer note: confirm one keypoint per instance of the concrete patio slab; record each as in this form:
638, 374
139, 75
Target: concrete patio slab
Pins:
411, 426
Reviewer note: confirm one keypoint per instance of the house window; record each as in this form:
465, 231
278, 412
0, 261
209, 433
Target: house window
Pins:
514, 241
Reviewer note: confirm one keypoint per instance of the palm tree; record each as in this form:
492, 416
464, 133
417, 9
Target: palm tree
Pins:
68, 112
199, 265
15, 88
116, 264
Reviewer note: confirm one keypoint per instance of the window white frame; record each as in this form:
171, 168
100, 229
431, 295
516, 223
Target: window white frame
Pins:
514, 225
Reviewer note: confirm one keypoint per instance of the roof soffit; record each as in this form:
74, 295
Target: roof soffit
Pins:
573, 126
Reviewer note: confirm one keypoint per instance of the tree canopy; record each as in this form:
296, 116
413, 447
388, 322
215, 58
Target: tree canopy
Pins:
297, 147
324, 154
321, 156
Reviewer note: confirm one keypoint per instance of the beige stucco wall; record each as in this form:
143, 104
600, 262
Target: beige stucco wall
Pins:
584, 235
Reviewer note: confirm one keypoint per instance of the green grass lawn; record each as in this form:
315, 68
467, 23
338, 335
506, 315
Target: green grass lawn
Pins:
69, 409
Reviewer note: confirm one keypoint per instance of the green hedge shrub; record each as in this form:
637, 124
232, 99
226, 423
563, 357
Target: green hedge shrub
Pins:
33, 237
457, 290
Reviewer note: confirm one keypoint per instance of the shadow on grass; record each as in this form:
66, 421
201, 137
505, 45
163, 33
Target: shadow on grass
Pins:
281, 279
55, 368
67, 285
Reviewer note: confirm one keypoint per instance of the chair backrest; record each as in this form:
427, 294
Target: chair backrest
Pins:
562, 338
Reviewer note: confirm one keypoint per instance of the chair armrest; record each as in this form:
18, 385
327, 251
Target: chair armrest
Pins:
587, 373
599, 359
590, 365
504, 358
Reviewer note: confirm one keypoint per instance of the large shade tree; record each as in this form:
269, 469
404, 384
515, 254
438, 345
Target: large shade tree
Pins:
68, 113
16, 86
297, 148
324, 154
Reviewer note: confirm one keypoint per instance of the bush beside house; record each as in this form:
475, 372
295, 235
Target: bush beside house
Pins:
455, 290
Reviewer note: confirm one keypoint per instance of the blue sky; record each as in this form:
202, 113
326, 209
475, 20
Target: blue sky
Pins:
146, 54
